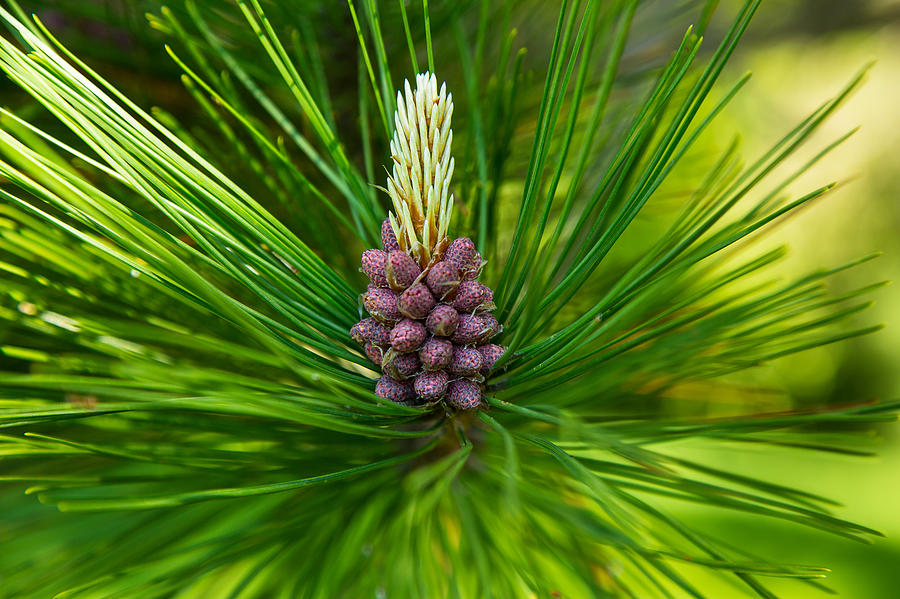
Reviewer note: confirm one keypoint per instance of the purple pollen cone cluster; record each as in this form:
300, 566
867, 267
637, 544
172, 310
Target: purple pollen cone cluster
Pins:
429, 331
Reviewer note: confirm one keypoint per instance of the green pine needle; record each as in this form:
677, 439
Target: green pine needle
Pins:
183, 413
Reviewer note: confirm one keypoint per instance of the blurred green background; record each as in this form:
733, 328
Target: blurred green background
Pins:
800, 52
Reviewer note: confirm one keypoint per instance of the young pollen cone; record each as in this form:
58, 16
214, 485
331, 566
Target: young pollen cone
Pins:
419, 185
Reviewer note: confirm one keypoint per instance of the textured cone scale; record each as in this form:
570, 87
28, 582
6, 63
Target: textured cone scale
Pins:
490, 353
401, 270
380, 334
388, 239
466, 361
405, 365
442, 279
471, 295
382, 304
369, 330
407, 335
389, 388
442, 320
361, 332
435, 354
374, 353
373, 263
473, 271
416, 302
491, 327
431, 386
463, 394
469, 330
460, 253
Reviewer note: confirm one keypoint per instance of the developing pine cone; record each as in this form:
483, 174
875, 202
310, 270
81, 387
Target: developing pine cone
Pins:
430, 330
431, 323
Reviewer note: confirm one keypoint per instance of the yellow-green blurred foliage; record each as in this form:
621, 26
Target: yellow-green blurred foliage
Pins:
801, 53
